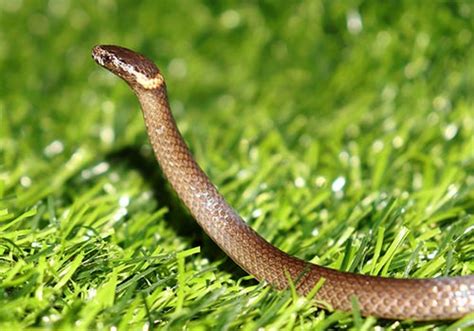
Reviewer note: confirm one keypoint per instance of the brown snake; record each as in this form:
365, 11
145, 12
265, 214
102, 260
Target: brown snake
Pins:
416, 299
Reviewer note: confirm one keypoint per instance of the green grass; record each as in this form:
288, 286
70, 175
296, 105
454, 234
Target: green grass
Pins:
350, 148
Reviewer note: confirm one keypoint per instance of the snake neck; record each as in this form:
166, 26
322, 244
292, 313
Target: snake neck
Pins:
177, 164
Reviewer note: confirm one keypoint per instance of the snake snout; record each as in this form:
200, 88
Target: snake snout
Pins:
100, 56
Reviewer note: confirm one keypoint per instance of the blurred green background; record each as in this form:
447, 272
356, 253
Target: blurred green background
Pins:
316, 119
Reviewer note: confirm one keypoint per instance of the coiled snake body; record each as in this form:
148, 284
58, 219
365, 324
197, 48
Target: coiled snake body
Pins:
416, 299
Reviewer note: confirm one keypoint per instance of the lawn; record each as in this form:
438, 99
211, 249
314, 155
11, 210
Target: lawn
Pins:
342, 132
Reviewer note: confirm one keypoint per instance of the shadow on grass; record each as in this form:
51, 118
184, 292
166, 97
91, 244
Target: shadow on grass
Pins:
179, 217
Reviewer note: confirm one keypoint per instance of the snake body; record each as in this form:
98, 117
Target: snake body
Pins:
415, 299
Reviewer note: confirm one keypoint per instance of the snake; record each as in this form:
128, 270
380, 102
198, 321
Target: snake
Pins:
417, 299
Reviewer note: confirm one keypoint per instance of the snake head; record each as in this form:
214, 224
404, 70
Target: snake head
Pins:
135, 69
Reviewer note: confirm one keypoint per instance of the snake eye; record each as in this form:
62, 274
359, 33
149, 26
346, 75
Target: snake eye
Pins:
106, 58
